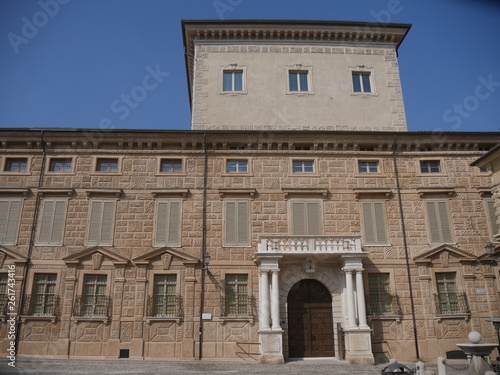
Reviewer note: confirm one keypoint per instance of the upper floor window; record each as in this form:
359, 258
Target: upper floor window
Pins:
485, 169
171, 166
10, 215
490, 206
107, 165
3, 293
430, 166
306, 218
60, 165
368, 166
232, 80
439, 223
16, 165
52, 222
237, 223
374, 223
303, 166
237, 166
168, 223
361, 82
101, 222
298, 80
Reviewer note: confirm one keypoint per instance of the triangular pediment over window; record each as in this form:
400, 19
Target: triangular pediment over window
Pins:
8, 254
166, 254
97, 253
445, 253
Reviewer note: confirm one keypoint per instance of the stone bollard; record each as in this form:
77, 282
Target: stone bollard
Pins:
441, 366
420, 368
490, 373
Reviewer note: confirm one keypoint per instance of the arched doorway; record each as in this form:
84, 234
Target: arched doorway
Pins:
310, 320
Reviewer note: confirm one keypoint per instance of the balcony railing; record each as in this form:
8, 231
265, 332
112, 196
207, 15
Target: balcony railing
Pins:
3, 304
41, 305
164, 308
237, 306
385, 304
310, 244
451, 304
92, 306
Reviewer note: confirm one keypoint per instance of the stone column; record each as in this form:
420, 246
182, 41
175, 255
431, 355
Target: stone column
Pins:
351, 316
275, 301
264, 300
361, 299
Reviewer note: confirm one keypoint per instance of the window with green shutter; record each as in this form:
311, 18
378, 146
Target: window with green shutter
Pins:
168, 223
237, 225
52, 222
10, 215
374, 223
492, 216
306, 219
101, 222
439, 222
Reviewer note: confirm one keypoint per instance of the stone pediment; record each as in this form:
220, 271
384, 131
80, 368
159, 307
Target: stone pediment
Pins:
444, 254
6, 253
98, 254
166, 254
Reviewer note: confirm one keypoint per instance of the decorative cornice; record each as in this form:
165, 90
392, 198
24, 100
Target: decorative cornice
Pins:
309, 191
173, 191
242, 191
382, 191
422, 192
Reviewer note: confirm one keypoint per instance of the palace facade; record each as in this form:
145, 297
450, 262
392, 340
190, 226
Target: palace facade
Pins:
297, 218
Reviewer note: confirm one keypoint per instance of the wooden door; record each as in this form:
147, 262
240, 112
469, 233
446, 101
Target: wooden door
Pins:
310, 322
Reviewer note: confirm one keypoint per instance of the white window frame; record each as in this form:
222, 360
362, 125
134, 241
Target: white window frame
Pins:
95, 164
361, 69
18, 173
53, 158
100, 241
315, 171
10, 220
430, 173
233, 67
161, 160
378, 172
299, 68
237, 173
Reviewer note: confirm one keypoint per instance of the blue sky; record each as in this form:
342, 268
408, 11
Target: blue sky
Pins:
66, 63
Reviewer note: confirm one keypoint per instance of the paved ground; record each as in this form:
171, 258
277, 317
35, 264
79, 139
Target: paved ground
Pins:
126, 367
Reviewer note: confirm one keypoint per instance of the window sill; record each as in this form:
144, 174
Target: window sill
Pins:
160, 174
7, 173
304, 174
397, 318
365, 94
225, 319
52, 173
237, 174
432, 174
151, 319
440, 317
369, 174
300, 93
49, 244
52, 318
377, 244
104, 319
233, 93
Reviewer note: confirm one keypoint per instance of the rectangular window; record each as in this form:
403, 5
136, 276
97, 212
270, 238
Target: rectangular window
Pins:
368, 166
168, 223
447, 295
236, 295
379, 294
107, 165
306, 218
237, 166
492, 216
374, 223
101, 222
171, 166
298, 80
165, 295
237, 228
430, 166
3, 293
94, 301
303, 166
361, 82
60, 165
43, 298
10, 215
232, 80
52, 222
16, 164
439, 222
485, 169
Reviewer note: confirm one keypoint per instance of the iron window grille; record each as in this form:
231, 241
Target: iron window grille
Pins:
451, 303
3, 304
165, 306
41, 305
239, 305
383, 304
92, 306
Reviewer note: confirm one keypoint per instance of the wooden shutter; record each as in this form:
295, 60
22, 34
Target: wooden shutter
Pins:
492, 216
374, 223
237, 232
10, 214
168, 223
52, 222
101, 222
306, 219
439, 223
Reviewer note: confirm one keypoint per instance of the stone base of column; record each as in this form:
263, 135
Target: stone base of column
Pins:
358, 346
271, 344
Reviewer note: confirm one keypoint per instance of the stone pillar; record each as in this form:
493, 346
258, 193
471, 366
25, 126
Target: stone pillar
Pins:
351, 315
361, 299
275, 301
264, 300
271, 340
